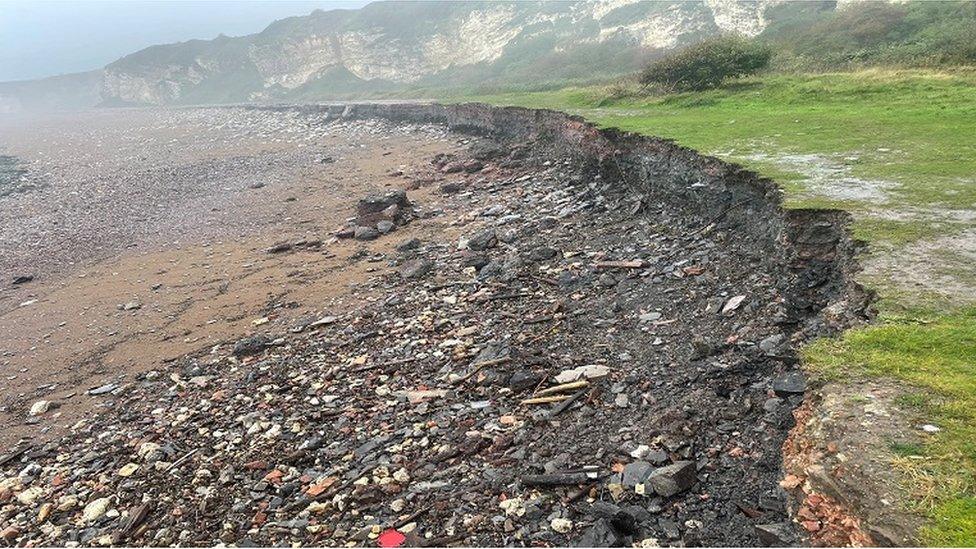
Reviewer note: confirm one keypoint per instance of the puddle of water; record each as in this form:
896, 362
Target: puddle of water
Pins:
930, 215
828, 177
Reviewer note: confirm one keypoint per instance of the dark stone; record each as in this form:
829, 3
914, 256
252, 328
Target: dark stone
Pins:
494, 268
474, 260
376, 203
636, 473
779, 534
522, 381
450, 188
543, 253
251, 345
494, 350
673, 479
472, 166
670, 528
384, 226
487, 151
391, 213
23, 279
601, 534
483, 240
790, 383
453, 167
279, 248
657, 457
366, 233
771, 344
407, 245
701, 348
416, 268
604, 509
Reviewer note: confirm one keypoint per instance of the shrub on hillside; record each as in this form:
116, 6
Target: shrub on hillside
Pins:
707, 64
811, 36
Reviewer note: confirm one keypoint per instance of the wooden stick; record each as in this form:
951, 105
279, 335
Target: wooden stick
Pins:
183, 459
413, 516
537, 320
564, 405
478, 368
556, 479
633, 264
562, 388
546, 400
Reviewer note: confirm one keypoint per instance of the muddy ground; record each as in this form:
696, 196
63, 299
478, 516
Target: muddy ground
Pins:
234, 347
171, 212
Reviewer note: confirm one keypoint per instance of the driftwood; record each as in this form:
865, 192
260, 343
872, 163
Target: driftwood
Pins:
564, 405
633, 264
562, 388
546, 399
478, 368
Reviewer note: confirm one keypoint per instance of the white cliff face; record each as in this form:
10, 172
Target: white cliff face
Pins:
663, 29
745, 18
482, 35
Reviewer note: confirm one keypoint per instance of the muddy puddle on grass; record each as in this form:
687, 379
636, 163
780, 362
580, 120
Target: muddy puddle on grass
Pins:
828, 177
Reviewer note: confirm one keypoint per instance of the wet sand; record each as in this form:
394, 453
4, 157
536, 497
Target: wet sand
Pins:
147, 231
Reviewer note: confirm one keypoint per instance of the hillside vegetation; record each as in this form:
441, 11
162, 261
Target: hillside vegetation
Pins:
919, 33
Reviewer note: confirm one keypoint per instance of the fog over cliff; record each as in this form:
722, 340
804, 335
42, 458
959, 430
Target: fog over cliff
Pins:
386, 47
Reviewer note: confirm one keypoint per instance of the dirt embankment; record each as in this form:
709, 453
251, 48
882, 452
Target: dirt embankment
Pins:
815, 244
580, 337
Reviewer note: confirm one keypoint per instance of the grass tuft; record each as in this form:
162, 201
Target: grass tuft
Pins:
936, 356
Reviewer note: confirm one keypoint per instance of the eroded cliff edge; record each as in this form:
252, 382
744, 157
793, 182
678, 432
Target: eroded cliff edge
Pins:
532, 249
814, 246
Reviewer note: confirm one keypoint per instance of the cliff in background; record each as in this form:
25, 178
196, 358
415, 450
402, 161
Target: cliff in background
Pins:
426, 47
396, 46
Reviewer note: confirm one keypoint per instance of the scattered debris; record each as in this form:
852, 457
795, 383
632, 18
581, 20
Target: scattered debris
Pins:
496, 392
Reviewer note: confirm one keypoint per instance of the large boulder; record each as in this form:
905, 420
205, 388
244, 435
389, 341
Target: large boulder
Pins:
377, 203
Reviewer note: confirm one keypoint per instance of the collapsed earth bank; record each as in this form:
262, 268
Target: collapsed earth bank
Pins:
606, 357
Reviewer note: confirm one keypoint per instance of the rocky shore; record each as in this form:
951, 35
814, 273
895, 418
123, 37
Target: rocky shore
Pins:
555, 335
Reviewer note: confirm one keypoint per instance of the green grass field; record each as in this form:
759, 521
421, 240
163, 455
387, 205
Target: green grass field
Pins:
911, 129
898, 150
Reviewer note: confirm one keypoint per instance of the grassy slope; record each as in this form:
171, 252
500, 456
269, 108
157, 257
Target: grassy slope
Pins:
915, 133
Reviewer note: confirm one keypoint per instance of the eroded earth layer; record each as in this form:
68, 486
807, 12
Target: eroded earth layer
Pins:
404, 324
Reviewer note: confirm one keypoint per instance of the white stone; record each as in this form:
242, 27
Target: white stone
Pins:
561, 525
39, 407
95, 509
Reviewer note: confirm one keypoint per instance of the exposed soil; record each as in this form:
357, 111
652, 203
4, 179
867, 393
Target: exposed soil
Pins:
388, 390
839, 469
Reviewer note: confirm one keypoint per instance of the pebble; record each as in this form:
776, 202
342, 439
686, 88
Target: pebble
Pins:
95, 510
39, 407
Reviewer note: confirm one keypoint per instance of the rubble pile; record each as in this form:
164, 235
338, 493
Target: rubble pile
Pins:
584, 366
378, 214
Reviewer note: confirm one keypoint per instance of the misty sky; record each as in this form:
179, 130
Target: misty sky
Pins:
41, 38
